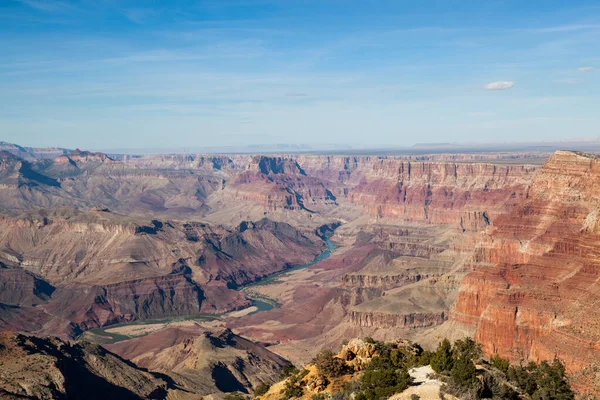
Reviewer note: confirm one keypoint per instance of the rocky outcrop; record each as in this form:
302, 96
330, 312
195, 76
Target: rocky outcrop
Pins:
278, 184
396, 320
202, 361
275, 166
79, 156
534, 292
49, 368
383, 282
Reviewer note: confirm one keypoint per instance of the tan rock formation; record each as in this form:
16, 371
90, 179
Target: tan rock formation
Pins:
534, 292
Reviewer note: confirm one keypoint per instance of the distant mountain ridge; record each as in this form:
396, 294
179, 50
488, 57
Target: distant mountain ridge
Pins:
33, 153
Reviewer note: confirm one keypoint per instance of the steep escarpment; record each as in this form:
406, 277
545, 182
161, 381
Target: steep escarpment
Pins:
421, 191
534, 292
439, 192
280, 184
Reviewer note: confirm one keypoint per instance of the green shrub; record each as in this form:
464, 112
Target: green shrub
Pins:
466, 348
329, 365
235, 396
463, 373
383, 383
261, 389
425, 357
293, 387
500, 363
442, 360
385, 375
543, 381
288, 370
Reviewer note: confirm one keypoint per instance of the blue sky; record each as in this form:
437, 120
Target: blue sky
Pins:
106, 74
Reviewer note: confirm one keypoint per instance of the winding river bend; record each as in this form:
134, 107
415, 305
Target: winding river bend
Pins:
265, 304
101, 335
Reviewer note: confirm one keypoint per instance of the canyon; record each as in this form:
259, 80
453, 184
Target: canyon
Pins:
501, 247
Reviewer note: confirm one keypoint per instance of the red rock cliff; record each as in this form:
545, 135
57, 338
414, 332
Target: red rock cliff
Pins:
535, 290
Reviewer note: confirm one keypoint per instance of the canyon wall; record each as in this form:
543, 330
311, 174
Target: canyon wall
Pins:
534, 292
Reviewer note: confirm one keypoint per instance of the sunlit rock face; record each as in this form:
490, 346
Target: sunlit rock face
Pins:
534, 291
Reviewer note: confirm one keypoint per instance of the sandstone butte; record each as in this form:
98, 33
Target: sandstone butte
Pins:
534, 292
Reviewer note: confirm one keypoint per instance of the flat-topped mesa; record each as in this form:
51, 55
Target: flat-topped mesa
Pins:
275, 165
534, 292
33, 153
68, 219
201, 162
82, 156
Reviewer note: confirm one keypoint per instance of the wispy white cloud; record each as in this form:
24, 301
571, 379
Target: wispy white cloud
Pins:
586, 69
561, 28
500, 85
46, 5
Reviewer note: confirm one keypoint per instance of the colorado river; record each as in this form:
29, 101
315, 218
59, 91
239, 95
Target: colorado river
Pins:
265, 304
101, 335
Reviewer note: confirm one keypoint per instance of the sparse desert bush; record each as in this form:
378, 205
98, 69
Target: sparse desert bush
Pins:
338, 396
261, 389
288, 370
329, 365
467, 349
235, 396
500, 363
294, 386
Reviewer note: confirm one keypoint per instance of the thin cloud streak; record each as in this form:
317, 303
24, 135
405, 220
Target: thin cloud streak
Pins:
46, 5
500, 85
